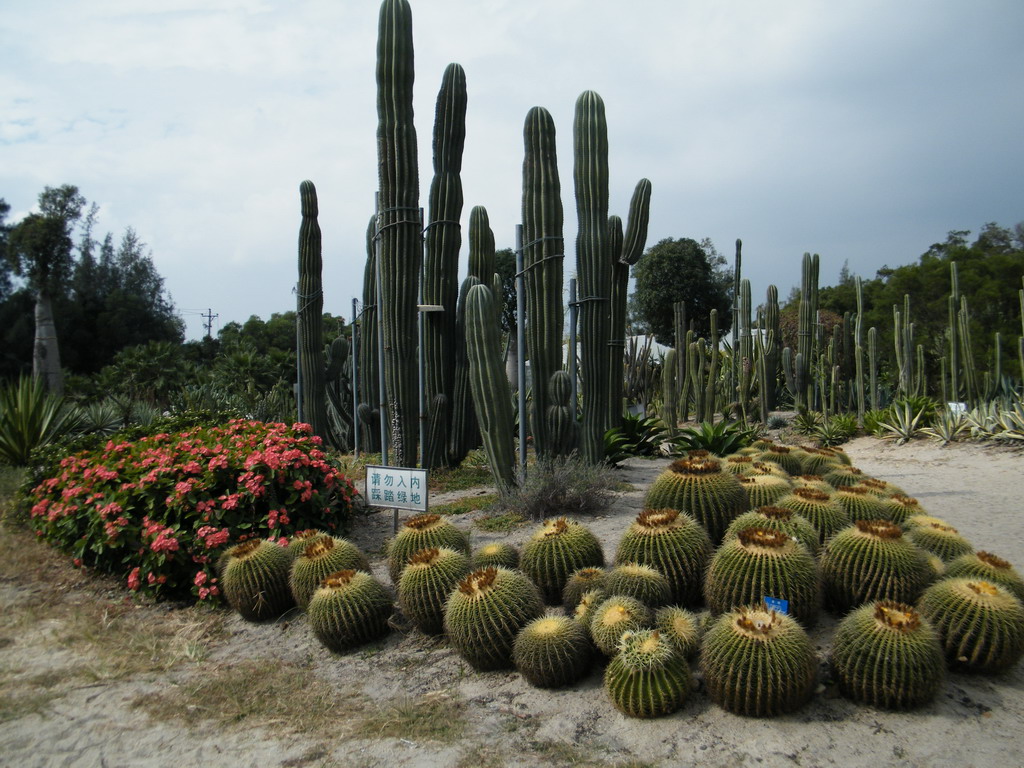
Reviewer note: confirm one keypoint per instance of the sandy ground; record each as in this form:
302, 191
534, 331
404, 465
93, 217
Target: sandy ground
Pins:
497, 718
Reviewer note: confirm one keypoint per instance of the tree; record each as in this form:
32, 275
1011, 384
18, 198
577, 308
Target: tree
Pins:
681, 270
40, 250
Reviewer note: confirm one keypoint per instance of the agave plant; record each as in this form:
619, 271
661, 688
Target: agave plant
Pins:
638, 436
835, 430
721, 439
905, 423
946, 427
807, 422
31, 417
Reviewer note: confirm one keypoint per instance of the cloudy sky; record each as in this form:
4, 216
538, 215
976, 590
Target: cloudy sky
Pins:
856, 129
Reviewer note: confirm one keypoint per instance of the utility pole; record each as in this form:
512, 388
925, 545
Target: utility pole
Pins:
209, 316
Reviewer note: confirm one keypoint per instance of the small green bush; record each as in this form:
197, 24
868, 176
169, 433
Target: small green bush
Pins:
564, 486
161, 509
721, 439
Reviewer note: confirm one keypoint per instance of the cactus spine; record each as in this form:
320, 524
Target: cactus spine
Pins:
885, 655
543, 257
593, 265
309, 317
492, 395
398, 224
440, 272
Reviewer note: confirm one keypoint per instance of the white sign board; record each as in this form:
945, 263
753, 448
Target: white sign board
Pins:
397, 487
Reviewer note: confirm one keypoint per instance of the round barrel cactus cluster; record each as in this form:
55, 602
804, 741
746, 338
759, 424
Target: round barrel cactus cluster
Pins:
674, 612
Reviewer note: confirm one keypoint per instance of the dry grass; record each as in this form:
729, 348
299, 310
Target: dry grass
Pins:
465, 505
432, 717
254, 694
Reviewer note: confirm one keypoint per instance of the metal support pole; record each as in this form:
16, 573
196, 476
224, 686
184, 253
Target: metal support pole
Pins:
355, 377
573, 372
380, 350
419, 353
521, 341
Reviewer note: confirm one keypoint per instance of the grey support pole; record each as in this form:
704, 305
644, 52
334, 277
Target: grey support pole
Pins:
355, 378
573, 372
380, 350
521, 341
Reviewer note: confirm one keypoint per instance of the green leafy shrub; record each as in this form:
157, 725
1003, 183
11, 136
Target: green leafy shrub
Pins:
873, 421
835, 430
557, 487
163, 508
638, 436
31, 417
721, 439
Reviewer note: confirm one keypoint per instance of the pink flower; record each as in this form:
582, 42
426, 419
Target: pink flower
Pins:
133, 579
201, 578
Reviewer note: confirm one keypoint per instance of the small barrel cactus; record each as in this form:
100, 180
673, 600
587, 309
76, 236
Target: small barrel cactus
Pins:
763, 490
858, 503
589, 601
843, 475
552, 651
298, 541
350, 609
647, 677
323, 556
496, 553
420, 532
558, 548
900, 508
486, 611
816, 461
812, 481
738, 464
425, 584
758, 663
818, 509
644, 583
777, 519
679, 627
944, 541
885, 655
988, 567
254, 577
785, 457
872, 560
616, 615
673, 543
582, 580
769, 468
980, 624
700, 488
882, 488
761, 563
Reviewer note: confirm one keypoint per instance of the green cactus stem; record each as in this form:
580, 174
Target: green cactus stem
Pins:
496, 553
777, 519
758, 663
552, 652
485, 613
322, 557
421, 532
681, 628
643, 582
987, 567
350, 609
425, 584
309, 317
700, 488
647, 677
980, 624
613, 617
885, 655
556, 550
254, 576
673, 543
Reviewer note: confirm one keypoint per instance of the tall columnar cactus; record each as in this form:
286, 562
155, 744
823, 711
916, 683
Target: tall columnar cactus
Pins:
593, 265
626, 251
670, 392
492, 396
369, 361
744, 362
309, 316
710, 386
859, 353
873, 366
734, 369
903, 340
798, 368
682, 357
543, 258
772, 347
954, 346
562, 428
440, 273
464, 435
399, 227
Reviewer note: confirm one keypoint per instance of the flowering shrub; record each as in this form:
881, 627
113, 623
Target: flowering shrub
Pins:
163, 508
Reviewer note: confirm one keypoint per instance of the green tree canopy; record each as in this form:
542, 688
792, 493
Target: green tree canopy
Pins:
681, 270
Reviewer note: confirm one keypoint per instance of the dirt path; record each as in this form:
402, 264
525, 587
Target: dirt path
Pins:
86, 680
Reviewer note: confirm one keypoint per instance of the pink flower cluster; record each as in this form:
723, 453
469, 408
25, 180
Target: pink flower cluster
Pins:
160, 508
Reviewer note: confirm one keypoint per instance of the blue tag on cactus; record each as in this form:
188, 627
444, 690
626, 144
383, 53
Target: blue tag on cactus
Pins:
776, 604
